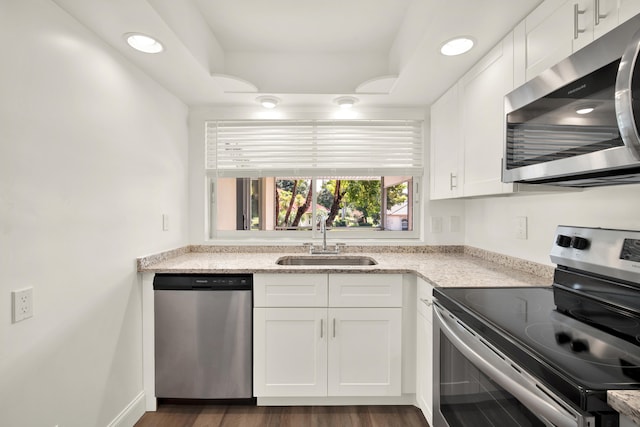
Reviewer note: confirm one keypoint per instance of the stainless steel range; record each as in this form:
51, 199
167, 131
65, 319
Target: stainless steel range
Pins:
543, 356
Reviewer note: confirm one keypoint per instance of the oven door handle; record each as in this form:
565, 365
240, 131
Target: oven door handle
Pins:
521, 388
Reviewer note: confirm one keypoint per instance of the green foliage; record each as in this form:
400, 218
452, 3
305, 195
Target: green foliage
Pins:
365, 196
396, 194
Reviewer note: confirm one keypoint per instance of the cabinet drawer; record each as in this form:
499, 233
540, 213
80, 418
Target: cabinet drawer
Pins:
290, 290
425, 299
365, 290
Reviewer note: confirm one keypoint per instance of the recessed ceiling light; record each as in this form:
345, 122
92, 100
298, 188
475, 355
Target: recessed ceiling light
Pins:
346, 101
268, 101
585, 110
143, 43
457, 46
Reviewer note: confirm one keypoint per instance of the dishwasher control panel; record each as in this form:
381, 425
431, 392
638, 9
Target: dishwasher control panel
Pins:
178, 282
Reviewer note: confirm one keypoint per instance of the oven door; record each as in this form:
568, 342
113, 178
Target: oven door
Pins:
475, 385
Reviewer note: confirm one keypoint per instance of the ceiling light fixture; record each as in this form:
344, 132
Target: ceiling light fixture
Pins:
346, 101
268, 101
585, 110
143, 43
457, 46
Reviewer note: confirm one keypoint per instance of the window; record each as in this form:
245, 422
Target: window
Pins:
282, 176
294, 203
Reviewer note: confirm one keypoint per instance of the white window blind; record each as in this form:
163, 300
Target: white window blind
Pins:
314, 147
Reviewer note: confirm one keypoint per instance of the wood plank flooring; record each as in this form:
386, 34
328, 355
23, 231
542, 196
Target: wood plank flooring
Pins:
174, 415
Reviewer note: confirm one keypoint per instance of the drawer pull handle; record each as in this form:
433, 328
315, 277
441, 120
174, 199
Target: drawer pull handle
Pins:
334, 327
321, 328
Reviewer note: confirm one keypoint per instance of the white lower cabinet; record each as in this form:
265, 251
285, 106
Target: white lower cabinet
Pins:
424, 347
329, 351
290, 351
365, 352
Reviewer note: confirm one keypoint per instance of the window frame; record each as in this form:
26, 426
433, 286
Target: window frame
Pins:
206, 204
314, 233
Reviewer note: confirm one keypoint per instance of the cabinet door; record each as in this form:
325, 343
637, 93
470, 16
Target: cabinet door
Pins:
446, 140
548, 35
628, 9
483, 90
607, 16
290, 290
365, 290
290, 352
424, 350
424, 367
583, 23
365, 352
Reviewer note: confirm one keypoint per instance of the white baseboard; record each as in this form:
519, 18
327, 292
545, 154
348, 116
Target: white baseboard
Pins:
131, 414
406, 399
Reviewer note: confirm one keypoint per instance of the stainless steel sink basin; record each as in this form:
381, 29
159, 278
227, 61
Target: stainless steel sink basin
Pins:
325, 260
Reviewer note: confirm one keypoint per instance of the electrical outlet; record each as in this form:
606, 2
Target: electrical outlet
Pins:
436, 224
455, 224
22, 304
520, 227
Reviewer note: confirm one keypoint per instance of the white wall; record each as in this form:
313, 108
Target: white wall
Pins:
489, 221
92, 153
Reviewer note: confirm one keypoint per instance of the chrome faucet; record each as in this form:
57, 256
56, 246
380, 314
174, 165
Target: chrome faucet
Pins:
322, 217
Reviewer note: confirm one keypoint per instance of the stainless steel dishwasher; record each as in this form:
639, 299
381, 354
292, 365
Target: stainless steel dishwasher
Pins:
203, 336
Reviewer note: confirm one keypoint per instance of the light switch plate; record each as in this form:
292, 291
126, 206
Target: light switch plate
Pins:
165, 222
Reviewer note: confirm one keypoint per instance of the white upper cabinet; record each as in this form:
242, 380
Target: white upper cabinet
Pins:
605, 16
549, 34
446, 146
467, 129
627, 9
483, 89
468, 121
557, 28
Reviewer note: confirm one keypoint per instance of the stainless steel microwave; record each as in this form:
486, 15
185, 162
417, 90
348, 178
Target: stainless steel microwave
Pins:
576, 124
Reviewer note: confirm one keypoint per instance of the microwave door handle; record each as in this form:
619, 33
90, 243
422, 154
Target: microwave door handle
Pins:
623, 99
528, 396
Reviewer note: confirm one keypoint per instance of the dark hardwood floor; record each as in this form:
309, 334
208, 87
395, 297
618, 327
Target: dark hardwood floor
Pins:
174, 415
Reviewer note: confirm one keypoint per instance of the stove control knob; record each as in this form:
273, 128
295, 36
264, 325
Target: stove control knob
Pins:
564, 241
579, 346
579, 243
563, 337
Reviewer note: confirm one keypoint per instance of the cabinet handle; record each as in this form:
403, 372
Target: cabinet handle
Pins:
321, 328
334, 327
452, 176
426, 302
576, 25
598, 16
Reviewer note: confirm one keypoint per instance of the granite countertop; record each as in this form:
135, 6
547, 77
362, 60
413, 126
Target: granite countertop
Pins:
626, 402
441, 267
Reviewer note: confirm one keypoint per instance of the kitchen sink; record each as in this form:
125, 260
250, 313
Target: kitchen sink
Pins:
325, 260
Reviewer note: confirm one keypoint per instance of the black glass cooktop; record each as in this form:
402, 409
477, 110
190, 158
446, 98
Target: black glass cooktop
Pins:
575, 358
